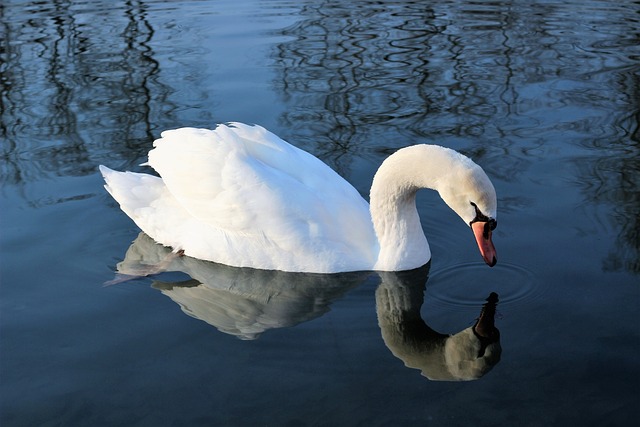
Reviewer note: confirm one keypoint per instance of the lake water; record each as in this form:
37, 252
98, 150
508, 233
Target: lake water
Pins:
544, 95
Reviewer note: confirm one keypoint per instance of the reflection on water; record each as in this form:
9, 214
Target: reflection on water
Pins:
238, 301
466, 355
508, 84
543, 94
246, 302
76, 81
439, 69
611, 178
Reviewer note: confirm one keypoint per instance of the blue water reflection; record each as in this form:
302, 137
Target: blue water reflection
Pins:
543, 95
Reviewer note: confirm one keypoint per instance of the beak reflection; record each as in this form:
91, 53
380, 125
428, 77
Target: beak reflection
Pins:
247, 303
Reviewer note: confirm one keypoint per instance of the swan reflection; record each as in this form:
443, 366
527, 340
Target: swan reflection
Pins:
245, 303
466, 355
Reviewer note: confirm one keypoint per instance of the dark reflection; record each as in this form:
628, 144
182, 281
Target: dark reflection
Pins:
238, 301
75, 88
395, 73
506, 84
466, 355
245, 303
610, 178
352, 70
614, 182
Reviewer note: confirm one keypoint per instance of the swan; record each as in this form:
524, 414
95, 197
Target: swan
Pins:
241, 196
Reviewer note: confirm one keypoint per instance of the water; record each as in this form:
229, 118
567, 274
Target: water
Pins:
544, 95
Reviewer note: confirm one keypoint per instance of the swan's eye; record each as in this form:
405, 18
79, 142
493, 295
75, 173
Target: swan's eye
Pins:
491, 223
479, 215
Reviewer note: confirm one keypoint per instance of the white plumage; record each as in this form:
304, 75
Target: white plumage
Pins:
239, 195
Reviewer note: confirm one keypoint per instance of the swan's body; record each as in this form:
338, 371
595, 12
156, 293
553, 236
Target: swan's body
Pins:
241, 196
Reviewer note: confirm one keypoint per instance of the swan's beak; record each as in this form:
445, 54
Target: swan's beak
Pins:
482, 233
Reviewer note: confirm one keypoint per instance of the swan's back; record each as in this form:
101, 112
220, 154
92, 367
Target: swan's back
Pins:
240, 195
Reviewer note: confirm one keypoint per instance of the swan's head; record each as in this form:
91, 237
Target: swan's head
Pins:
461, 183
471, 353
467, 190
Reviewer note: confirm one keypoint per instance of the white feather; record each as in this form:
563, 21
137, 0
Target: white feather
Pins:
239, 195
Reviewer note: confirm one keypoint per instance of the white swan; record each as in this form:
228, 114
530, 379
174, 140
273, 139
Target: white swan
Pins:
241, 196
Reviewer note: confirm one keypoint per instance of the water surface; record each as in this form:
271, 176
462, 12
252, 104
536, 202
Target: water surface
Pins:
544, 95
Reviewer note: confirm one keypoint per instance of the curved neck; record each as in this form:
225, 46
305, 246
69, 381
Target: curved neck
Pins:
461, 183
403, 245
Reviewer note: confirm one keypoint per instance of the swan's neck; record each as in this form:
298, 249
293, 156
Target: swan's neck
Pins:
457, 179
403, 245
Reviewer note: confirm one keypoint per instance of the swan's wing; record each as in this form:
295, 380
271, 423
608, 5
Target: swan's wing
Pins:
262, 194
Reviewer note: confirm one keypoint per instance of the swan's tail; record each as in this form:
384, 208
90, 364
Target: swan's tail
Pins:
133, 191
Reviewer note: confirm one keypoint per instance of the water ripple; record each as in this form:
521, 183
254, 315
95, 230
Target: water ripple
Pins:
460, 286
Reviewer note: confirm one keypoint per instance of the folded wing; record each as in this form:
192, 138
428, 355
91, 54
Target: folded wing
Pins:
239, 195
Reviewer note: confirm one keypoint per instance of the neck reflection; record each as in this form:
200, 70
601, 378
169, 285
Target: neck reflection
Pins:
247, 302
466, 355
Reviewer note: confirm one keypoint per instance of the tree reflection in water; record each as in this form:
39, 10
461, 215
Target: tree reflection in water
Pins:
76, 84
82, 84
496, 81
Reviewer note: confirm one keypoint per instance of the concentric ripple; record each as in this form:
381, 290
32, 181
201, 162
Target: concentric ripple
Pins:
465, 285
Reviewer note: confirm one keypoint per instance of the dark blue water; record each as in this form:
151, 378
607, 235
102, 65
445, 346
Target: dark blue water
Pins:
545, 95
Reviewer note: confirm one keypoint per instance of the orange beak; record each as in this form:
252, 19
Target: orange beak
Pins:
482, 233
